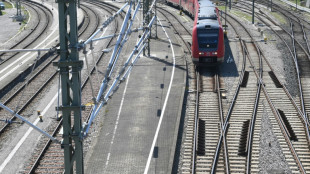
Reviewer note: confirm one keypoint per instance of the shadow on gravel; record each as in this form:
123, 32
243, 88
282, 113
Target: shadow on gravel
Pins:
228, 68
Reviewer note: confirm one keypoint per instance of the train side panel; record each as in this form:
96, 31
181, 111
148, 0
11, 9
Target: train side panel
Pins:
221, 48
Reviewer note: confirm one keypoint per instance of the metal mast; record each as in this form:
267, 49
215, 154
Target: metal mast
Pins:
154, 26
70, 67
146, 19
18, 16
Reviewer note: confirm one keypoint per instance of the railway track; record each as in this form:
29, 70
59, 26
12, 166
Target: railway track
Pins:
49, 157
203, 124
42, 20
20, 99
298, 54
287, 111
187, 154
287, 127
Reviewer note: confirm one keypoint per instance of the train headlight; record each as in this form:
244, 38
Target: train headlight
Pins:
214, 53
201, 53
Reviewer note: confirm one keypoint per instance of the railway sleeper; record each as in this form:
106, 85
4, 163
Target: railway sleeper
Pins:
288, 126
243, 143
245, 79
275, 79
201, 137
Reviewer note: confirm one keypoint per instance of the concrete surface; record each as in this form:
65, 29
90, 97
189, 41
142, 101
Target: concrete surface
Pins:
128, 123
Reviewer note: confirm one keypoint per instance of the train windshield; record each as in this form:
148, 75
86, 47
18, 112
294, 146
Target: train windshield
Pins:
207, 39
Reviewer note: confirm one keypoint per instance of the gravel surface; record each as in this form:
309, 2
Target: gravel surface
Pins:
271, 158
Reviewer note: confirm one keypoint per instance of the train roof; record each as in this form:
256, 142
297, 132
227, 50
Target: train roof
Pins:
207, 13
207, 16
205, 3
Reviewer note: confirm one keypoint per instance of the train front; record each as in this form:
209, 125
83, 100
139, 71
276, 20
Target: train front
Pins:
207, 40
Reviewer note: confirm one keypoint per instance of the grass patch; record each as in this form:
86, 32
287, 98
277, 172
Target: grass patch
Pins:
3, 12
242, 15
24, 22
237, 13
8, 5
294, 1
222, 8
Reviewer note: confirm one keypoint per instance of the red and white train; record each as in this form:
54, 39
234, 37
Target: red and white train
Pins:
208, 36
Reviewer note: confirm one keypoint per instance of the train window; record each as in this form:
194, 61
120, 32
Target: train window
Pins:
201, 17
207, 39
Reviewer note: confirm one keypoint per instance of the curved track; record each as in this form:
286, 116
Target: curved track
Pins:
42, 17
49, 157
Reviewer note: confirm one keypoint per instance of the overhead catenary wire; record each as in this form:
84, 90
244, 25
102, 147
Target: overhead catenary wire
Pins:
122, 40
30, 124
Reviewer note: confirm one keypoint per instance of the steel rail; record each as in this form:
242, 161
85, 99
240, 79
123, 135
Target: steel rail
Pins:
196, 118
34, 95
48, 143
278, 117
292, 14
6, 125
295, 58
301, 46
305, 37
33, 30
254, 114
177, 19
219, 96
43, 151
229, 112
102, 53
105, 24
274, 110
301, 114
108, 72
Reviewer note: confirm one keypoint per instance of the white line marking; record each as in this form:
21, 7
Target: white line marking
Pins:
164, 106
21, 141
117, 122
23, 60
185, 18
